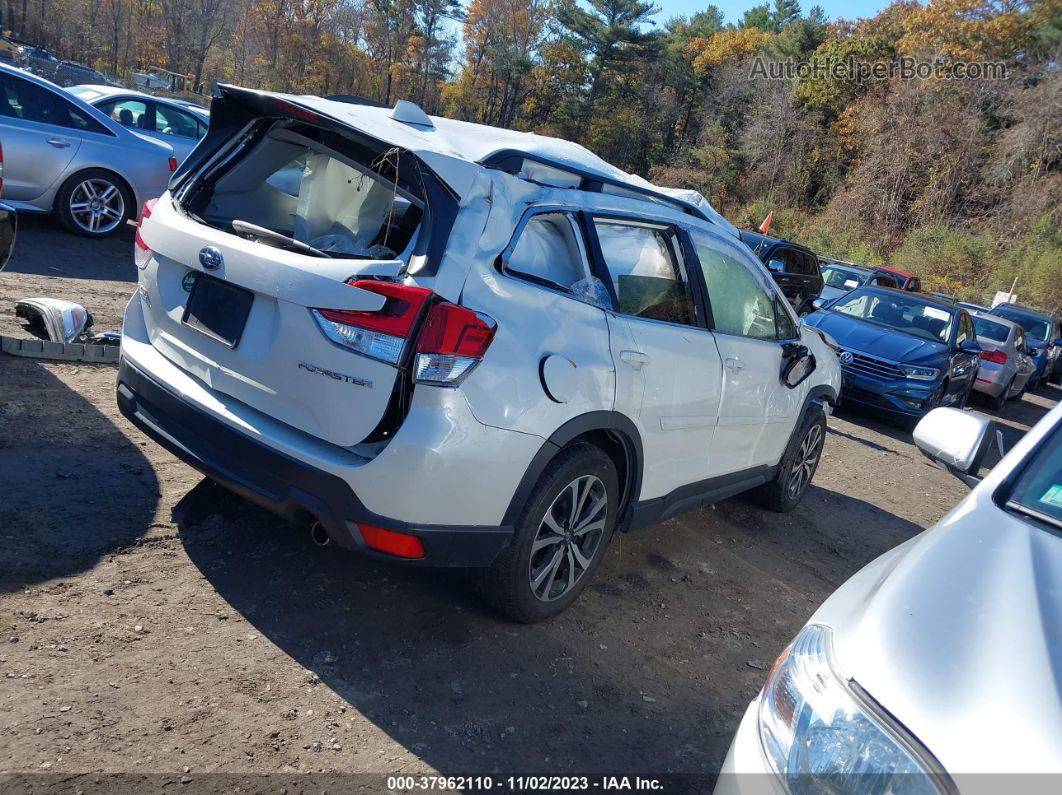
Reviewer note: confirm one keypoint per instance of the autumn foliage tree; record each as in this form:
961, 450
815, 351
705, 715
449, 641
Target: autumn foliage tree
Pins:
959, 179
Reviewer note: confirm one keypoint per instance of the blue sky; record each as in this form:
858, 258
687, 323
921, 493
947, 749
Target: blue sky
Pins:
733, 9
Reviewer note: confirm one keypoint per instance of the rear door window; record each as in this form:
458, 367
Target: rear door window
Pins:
645, 266
131, 113
170, 121
28, 102
21, 99
549, 250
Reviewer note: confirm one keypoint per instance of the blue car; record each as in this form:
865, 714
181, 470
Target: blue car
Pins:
901, 352
1044, 335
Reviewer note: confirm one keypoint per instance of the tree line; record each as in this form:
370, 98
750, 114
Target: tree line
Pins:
958, 179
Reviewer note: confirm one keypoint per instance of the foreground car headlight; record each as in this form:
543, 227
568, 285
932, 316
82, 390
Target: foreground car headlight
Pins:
920, 373
822, 735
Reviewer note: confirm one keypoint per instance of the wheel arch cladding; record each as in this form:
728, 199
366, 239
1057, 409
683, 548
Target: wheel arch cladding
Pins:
823, 393
609, 431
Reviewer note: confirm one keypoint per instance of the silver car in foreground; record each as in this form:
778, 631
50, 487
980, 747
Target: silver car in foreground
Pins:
62, 155
1006, 366
942, 659
179, 124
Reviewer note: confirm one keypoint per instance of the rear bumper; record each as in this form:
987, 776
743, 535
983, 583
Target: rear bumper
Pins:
284, 485
991, 379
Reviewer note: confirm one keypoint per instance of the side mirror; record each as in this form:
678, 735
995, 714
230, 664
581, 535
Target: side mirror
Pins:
957, 439
820, 302
775, 265
970, 346
798, 364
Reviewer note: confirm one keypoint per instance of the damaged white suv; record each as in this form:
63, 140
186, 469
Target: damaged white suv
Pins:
456, 345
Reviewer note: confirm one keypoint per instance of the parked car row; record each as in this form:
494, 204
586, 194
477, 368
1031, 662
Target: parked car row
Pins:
905, 352
91, 155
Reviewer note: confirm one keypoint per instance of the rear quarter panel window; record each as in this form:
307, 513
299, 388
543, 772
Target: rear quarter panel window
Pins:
647, 275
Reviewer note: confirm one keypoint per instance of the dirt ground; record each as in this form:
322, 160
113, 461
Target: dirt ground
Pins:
152, 625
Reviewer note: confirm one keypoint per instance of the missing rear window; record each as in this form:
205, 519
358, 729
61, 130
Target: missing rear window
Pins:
333, 195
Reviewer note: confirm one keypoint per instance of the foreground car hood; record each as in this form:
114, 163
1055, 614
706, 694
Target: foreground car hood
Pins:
958, 633
859, 335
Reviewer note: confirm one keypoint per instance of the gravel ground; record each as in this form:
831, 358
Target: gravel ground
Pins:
151, 624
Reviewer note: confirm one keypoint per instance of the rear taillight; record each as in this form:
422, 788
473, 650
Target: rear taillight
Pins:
996, 357
141, 250
381, 334
173, 164
453, 341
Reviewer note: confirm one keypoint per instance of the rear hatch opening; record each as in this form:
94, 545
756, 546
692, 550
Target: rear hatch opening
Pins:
330, 349
331, 194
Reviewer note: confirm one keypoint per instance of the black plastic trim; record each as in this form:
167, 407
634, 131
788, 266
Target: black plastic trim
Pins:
511, 161
608, 421
694, 495
283, 485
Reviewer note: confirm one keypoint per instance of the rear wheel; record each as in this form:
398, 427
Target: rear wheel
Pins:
798, 465
560, 538
997, 403
94, 203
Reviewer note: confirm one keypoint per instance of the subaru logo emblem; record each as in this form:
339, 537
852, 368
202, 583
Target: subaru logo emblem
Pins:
845, 357
210, 258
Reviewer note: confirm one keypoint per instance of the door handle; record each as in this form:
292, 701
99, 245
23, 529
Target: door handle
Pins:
59, 143
734, 363
635, 358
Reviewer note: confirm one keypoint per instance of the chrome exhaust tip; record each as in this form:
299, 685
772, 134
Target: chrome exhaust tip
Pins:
319, 535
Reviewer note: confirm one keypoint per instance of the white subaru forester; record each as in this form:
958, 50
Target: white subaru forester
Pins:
457, 345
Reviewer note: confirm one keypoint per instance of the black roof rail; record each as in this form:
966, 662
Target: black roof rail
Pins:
354, 99
511, 161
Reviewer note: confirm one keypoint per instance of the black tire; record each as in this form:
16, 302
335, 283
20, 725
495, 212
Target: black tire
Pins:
965, 398
509, 584
997, 403
119, 205
798, 465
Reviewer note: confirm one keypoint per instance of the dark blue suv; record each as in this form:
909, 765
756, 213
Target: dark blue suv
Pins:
902, 352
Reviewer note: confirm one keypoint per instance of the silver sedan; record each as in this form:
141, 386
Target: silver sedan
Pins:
177, 123
1005, 367
61, 155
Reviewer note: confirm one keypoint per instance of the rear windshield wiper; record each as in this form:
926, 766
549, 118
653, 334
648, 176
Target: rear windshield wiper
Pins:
281, 241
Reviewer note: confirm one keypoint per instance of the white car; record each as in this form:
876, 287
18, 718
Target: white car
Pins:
175, 122
458, 345
940, 661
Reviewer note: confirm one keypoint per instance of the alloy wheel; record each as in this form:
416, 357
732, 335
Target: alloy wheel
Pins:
97, 206
807, 458
568, 538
